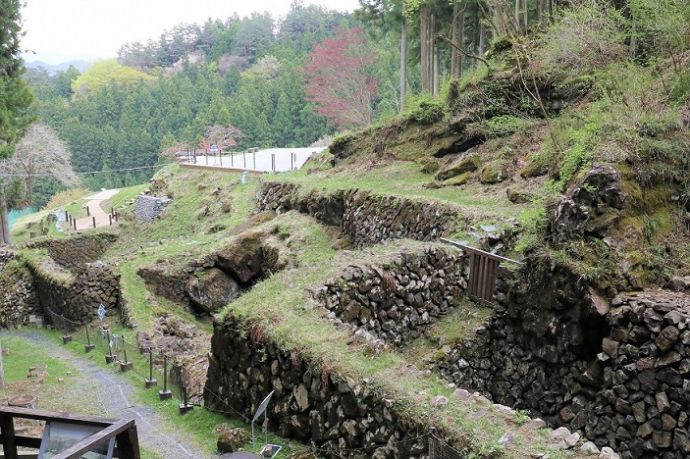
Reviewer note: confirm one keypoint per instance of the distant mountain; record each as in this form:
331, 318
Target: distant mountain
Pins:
80, 65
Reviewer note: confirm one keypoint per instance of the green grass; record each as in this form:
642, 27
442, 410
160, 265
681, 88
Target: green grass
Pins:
198, 425
292, 320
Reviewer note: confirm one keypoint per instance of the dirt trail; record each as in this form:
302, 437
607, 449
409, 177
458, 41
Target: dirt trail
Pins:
94, 204
155, 433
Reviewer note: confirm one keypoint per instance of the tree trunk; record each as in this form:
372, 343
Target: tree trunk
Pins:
539, 7
517, 15
458, 35
525, 12
482, 39
424, 19
436, 76
4, 222
403, 64
428, 49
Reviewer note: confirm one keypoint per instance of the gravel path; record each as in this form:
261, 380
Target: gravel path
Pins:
94, 203
154, 432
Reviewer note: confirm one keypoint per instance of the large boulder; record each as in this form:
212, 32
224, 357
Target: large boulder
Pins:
212, 289
244, 260
592, 208
466, 163
231, 439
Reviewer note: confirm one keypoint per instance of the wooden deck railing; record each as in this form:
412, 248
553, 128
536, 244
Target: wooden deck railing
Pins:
123, 431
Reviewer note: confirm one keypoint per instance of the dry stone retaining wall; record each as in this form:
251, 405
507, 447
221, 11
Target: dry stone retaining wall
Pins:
18, 301
365, 217
77, 296
628, 392
147, 208
394, 302
73, 252
335, 413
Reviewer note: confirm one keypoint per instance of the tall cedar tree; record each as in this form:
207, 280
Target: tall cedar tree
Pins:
339, 79
15, 100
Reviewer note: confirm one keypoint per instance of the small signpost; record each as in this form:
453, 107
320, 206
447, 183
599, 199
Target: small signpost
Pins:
268, 450
101, 312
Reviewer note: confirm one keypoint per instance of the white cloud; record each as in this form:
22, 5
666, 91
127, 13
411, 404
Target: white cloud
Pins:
60, 30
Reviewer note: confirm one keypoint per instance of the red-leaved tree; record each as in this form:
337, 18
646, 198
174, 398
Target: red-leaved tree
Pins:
339, 79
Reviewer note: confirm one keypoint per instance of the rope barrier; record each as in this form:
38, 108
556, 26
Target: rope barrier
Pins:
62, 322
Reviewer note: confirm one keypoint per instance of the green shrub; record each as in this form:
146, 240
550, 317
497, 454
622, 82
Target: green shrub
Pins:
425, 108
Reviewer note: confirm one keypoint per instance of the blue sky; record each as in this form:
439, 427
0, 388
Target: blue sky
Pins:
63, 30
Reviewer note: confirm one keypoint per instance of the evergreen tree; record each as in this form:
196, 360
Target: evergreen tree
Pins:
15, 100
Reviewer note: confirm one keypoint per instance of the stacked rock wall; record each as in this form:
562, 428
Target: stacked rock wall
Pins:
18, 301
73, 252
365, 217
395, 301
346, 419
619, 377
147, 208
77, 296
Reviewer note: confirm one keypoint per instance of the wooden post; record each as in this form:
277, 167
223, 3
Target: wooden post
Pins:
165, 394
110, 220
94, 221
292, 161
232, 159
206, 156
273, 162
9, 446
244, 160
148, 383
66, 215
74, 220
254, 158
88, 212
88, 347
112, 211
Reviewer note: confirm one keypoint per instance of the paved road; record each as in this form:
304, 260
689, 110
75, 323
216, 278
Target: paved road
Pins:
94, 203
117, 392
260, 161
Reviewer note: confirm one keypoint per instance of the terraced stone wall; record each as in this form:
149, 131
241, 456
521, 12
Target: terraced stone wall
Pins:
365, 217
615, 372
392, 303
18, 301
73, 252
342, 417
77, 296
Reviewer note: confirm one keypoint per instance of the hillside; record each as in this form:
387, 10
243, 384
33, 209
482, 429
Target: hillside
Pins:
566, 151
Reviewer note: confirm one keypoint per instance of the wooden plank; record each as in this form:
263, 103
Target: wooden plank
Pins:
42, 415
475, 250
473, 274
128, 443
26, 442
97, 439
9, 447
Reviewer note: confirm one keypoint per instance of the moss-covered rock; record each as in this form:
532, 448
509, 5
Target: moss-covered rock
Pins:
493, 172
467, 163
534, 167
458, 179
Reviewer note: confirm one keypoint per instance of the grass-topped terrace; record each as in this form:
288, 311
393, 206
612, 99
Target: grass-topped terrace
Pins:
283, 308
404, 179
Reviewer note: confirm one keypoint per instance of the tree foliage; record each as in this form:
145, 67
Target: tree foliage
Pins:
340, 80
